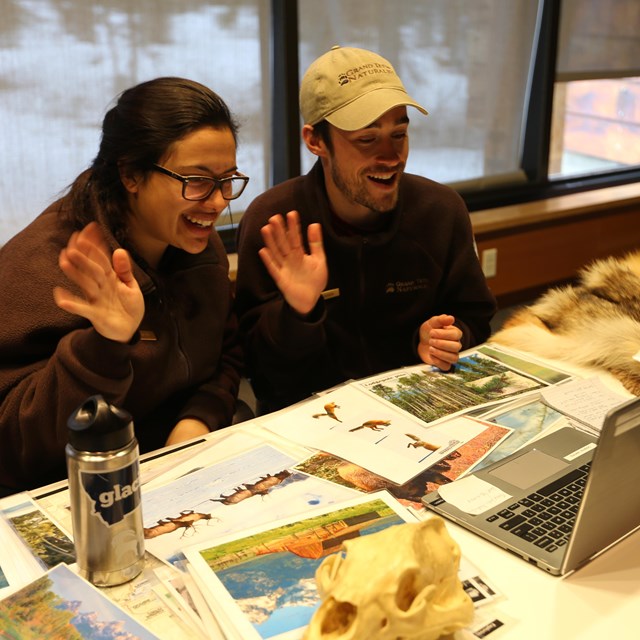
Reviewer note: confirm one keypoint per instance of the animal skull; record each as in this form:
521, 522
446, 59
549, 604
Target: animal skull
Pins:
399, 583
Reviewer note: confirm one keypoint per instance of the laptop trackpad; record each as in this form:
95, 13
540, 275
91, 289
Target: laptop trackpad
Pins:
528, 469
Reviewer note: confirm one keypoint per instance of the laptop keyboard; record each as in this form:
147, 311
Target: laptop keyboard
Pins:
546, 516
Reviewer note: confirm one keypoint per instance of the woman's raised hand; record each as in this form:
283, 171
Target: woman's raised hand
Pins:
110, 296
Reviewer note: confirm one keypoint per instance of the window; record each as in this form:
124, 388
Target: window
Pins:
467, 62
596, 110
64, 61
597, 126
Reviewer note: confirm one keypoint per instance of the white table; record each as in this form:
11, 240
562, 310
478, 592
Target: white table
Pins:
600, 601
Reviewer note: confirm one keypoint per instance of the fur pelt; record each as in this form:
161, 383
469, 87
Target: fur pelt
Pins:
594, 322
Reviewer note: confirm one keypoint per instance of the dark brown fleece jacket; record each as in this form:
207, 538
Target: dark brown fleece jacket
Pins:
185, 364
382, 286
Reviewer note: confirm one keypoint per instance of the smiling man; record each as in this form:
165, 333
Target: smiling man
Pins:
356, 267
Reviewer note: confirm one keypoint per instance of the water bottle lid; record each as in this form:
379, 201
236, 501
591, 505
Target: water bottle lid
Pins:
97, 425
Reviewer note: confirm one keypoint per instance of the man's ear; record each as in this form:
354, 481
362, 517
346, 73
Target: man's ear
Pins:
313, 141
130, 179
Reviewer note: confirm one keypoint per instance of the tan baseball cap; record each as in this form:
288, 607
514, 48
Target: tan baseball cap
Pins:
351, 88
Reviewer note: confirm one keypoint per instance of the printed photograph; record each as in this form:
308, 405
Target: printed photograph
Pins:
269, 577
528, 420
60, 604
329, 467
256, 487
18, 564
359, 426
430, 395
46, 541
536, 369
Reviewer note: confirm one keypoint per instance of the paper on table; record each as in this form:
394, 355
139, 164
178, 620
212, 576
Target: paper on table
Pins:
472, 495
222, 498
357, 426
586, 400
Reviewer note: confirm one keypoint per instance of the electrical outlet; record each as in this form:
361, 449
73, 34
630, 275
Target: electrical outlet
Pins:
490, 262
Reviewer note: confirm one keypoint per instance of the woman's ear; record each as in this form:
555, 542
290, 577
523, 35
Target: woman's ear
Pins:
130, 179
313, 141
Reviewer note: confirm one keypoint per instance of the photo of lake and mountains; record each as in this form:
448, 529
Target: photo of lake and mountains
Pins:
61, 604
264, 583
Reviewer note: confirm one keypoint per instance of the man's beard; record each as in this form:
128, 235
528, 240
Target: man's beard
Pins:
359, 194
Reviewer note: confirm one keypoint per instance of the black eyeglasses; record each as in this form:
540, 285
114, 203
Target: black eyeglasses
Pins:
201, 187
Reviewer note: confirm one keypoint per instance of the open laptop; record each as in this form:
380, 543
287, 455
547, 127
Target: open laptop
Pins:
568, 498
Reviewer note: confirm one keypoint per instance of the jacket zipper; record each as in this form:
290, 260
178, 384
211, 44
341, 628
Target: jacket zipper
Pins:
363, 345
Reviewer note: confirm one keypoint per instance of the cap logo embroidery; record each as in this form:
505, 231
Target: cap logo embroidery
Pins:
357, 73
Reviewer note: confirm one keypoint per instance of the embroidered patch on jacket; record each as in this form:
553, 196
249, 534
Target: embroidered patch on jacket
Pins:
406, 286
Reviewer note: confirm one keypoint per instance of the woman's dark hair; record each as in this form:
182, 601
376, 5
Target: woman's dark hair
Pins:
146, 120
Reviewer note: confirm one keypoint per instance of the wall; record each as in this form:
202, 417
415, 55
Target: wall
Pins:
539, 244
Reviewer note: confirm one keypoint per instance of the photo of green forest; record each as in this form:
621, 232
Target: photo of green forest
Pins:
431, 395
51, 545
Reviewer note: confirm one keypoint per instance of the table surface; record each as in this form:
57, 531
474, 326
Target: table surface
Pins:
600, 600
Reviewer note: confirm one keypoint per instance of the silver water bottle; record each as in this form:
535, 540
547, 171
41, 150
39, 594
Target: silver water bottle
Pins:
104, 487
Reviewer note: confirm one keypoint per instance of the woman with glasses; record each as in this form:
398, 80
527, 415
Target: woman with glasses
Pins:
121, 287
